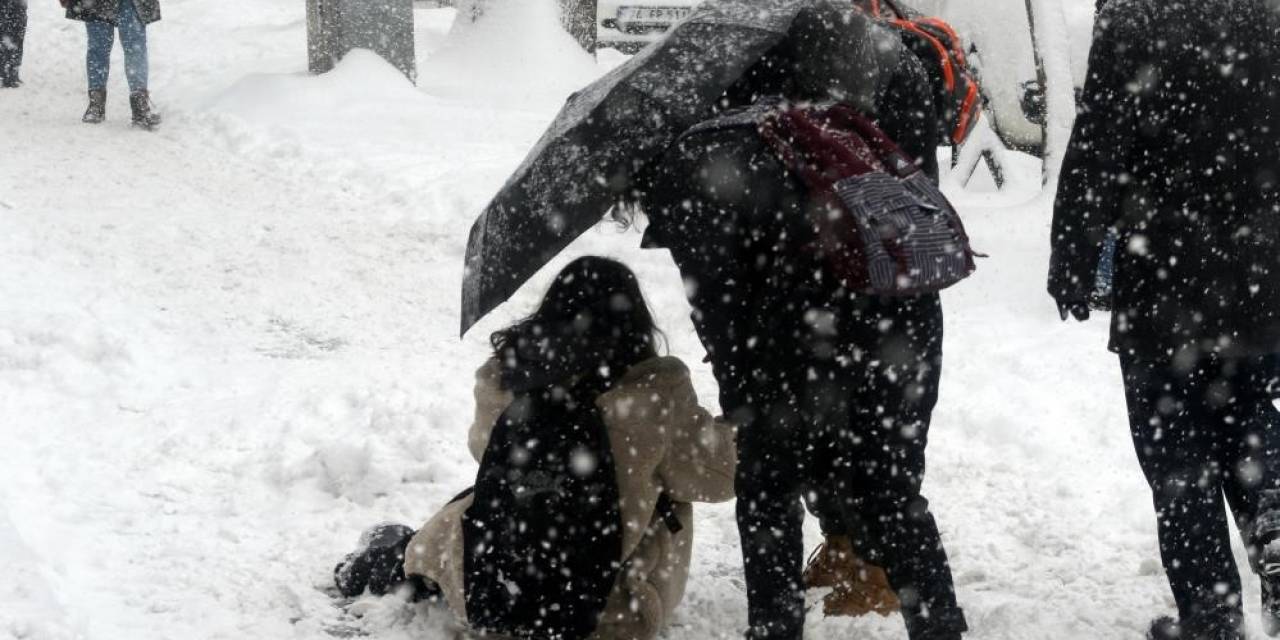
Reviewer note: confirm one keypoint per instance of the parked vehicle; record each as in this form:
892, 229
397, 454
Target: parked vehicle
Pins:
629, 25
1001, 33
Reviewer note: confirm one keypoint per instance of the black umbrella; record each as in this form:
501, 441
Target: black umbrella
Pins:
613, 127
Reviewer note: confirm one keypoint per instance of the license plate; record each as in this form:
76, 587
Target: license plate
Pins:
653, 14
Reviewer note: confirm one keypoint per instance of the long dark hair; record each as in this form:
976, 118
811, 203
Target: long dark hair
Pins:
593, 324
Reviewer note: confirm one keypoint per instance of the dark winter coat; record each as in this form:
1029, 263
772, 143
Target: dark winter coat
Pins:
1177, 146
861, 64
106, 10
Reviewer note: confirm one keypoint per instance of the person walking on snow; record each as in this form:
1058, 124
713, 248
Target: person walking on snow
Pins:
103, 18
1177, 149
13, 29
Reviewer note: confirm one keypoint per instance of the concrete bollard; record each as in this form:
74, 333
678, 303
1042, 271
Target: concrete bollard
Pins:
335, 27
579, 18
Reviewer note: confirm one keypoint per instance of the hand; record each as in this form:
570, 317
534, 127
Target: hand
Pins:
1077, 308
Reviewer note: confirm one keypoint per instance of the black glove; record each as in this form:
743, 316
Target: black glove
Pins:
1077, 308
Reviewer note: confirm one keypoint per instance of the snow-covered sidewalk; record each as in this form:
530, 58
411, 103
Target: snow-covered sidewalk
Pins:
228, 346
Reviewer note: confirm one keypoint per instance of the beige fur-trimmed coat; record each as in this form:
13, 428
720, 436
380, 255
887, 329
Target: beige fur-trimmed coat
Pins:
662, 440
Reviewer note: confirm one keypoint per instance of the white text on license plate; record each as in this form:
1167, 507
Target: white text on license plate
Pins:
653, 14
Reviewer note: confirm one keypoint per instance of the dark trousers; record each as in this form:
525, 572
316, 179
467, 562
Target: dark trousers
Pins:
832, 394
13, 30
1203, 433
849, 431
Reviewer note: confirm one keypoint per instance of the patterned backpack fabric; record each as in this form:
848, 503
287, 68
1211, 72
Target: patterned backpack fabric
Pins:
882, 227
937, 44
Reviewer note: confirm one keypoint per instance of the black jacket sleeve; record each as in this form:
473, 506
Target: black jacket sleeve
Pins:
1091, 186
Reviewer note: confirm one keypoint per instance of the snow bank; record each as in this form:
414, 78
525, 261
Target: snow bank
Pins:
518, 50
28, 608
361, 86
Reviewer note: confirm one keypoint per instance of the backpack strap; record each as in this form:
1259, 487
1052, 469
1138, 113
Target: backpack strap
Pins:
666, 509
896, 162
944, 53
960, 82
819, 154
465, 492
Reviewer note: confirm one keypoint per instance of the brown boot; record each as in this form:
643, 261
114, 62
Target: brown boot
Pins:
857, 586
97, 110
143, 116
866, 591
829, 563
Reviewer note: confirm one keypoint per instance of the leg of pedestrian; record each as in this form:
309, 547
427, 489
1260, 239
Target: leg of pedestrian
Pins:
1174, 436
769, 522
13, 28
133, 39
8, 25
1250, 425
892, 392
102, 37
1246, 421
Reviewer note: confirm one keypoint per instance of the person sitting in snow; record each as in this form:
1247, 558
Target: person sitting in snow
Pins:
591, 448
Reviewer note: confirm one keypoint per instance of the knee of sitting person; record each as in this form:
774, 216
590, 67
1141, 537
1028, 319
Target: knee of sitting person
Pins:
636, 613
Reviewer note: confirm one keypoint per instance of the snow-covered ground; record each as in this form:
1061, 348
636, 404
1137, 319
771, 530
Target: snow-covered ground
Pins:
228, 346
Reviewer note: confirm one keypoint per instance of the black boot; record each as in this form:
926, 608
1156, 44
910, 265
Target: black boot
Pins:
8, 68
97, 110
1166, 628
9, 61
140, 103
377, 563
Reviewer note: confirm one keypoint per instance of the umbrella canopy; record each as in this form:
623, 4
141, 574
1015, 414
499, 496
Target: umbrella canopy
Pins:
608, 131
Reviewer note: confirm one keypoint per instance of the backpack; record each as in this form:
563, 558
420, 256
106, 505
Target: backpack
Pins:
941, 49
543, 535
880, 225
